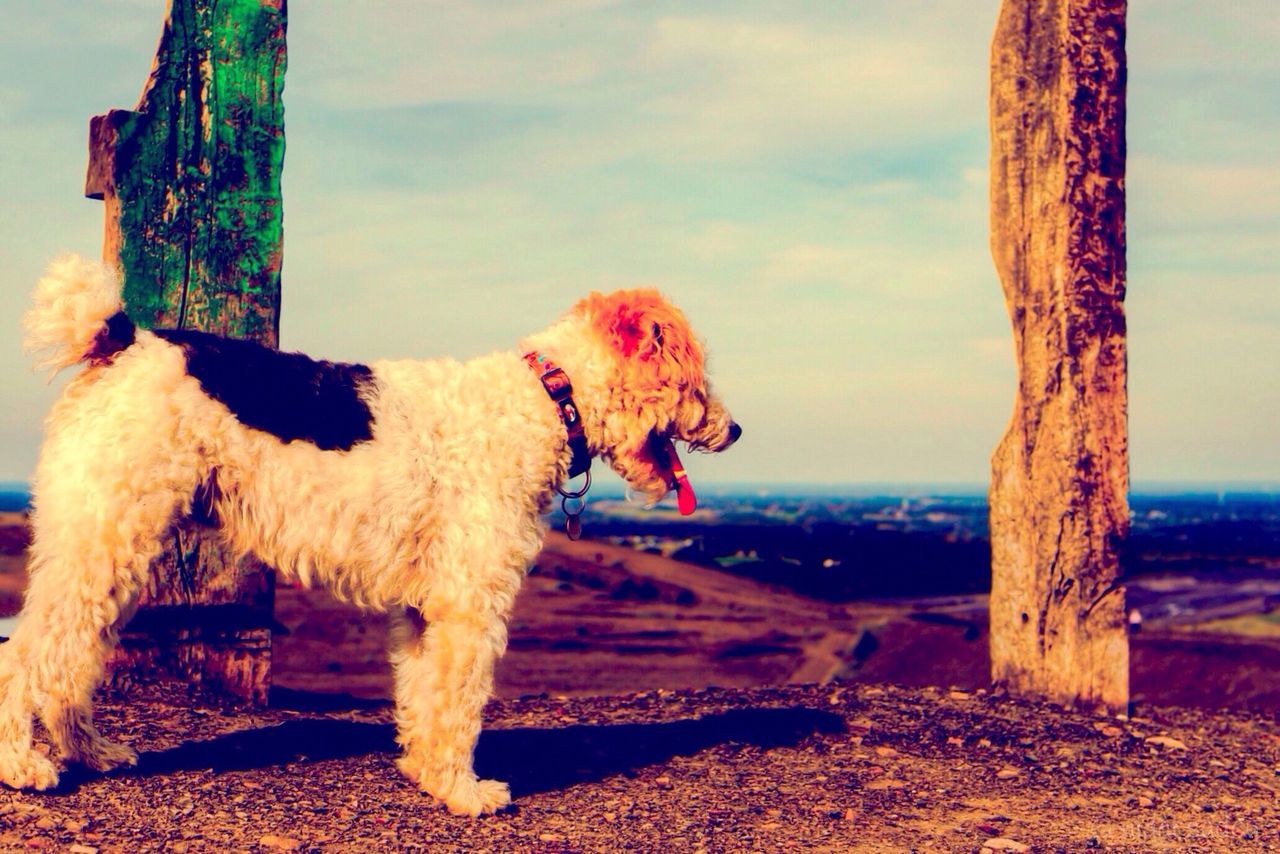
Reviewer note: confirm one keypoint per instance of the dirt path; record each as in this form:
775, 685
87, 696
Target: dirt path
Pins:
841, 768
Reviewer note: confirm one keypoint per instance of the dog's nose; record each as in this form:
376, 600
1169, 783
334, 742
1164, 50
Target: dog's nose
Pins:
735, 430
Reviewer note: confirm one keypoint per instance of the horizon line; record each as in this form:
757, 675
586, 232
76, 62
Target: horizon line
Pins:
960, 487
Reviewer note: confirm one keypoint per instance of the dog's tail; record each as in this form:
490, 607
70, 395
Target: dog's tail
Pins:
74, 307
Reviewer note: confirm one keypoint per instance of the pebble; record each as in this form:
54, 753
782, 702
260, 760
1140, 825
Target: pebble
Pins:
883, 783
1166, 741
1001, 843
1008, 772
865, 725
280, 843
1145, 802
886, 751
82, 849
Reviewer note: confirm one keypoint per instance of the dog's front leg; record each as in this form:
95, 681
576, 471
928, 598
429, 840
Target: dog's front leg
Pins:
444, 676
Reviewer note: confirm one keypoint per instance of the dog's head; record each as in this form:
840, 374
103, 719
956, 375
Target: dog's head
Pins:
657, 391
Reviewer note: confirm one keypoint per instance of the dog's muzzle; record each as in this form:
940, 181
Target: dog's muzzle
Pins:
730, 436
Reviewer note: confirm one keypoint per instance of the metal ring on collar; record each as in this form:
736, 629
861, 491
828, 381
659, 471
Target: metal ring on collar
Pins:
578, 493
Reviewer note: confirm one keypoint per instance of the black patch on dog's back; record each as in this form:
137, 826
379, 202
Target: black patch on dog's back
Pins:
116, 334
288, 395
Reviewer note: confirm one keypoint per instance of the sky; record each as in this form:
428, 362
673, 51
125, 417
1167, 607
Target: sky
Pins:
807, 180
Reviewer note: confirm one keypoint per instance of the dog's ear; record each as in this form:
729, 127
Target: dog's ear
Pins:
625, 318
649, 331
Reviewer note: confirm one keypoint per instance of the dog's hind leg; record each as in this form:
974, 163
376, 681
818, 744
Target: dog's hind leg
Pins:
21, 765
443, 677
86, 573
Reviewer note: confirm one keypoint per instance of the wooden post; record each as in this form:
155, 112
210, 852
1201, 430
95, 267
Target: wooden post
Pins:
191, 186
1060, 475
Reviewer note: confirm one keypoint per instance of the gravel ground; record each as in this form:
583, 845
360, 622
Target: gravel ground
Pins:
862, 768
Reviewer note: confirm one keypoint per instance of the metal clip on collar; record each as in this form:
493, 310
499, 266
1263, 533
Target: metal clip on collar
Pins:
573, 502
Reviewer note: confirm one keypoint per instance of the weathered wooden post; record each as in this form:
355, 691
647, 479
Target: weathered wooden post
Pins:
1060, 475
191, 186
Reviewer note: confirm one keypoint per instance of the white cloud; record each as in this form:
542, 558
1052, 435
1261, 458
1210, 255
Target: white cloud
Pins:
899, 273
737, 88
1203, 195
400, 52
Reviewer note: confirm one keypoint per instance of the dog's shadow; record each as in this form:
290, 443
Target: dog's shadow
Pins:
531, 760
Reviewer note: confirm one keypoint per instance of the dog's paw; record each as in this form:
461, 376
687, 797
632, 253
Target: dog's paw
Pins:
28, 770
105, 755
459, 790
478, 797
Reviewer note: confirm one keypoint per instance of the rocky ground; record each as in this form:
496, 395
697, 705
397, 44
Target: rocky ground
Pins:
838, 768
609, 743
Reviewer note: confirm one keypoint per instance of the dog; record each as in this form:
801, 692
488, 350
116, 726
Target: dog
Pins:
414, 487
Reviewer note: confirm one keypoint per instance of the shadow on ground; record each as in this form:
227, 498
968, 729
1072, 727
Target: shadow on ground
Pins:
541, 760
530, 760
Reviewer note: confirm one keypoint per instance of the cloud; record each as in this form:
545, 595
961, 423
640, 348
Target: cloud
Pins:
737, 88
449, 51
1181, 197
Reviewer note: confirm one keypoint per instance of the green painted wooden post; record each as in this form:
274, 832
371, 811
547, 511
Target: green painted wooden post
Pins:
191, 186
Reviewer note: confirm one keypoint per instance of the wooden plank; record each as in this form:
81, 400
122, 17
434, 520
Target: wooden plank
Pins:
190, 181
1059, 483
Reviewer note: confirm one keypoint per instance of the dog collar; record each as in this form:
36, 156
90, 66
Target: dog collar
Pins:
560, 390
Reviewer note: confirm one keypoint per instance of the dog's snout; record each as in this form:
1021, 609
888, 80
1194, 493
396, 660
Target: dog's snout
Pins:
735, 431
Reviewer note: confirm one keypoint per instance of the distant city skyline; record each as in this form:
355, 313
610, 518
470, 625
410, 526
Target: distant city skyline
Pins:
811, 186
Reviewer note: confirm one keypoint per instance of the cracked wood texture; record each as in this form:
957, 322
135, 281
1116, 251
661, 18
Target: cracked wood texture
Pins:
1059, 506
190, 180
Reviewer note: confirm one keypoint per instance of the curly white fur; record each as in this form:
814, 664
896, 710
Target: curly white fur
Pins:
68, 307
435, 519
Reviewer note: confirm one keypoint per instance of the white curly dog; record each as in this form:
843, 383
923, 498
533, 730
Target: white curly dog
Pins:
416, 487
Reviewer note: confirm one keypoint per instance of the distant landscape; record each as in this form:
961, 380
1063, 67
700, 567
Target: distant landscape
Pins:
774, 585
858, 542
840, 544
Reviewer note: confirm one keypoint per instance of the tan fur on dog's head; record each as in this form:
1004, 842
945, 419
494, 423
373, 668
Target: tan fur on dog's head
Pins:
659, 389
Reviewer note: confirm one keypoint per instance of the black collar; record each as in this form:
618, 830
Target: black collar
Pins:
557, 384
